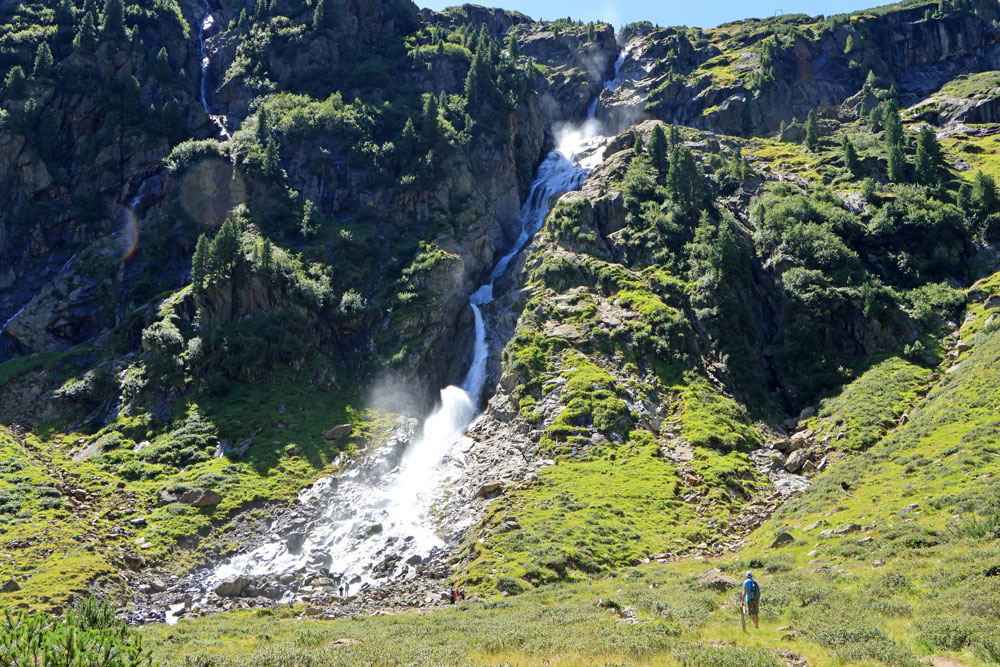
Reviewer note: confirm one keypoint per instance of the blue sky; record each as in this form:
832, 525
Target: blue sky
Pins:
702, 13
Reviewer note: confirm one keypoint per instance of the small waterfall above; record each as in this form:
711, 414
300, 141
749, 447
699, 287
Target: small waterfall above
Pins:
206, 25
376, 517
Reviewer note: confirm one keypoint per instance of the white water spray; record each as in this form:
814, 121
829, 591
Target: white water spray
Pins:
207, 23
374, 524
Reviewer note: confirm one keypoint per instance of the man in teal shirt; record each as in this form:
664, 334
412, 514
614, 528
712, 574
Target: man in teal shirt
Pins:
751, 598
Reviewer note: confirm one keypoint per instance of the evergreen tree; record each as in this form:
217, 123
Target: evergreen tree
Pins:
964, 198
131, 103
638, 147
113, 19
685, 183
984, 194
674, 136
513, 47
86, 36
871, 83
161, 65
928, 160
658, 148
199, 263
319, 16
43, 61
591, 32
308, 219
430, 126
14, 83
897, 164
892, 123
65, 14
224, 251
812, 131
171, 121
272, 166
262, 132
850, 155
267, 257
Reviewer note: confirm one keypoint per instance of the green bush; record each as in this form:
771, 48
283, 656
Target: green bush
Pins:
725, 656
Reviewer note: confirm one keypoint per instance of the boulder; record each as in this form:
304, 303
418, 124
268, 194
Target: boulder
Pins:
232, 588
488, 488
200, 498
796, 460
10, 586
338, 432
807, 413
782, 539
717, 580
808, 467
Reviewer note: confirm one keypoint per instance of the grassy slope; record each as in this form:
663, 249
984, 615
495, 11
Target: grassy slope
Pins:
54, 547
908, 583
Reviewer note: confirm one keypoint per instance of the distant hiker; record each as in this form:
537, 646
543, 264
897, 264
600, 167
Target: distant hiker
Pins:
341, 591
751, 599
452, 594
461, 594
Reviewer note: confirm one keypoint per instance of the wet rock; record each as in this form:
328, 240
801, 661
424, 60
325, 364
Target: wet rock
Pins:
338, 432
717, 580
294, 540
415, 559
782, 539
232, 588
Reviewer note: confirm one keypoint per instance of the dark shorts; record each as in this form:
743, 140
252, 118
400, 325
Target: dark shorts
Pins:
753, 607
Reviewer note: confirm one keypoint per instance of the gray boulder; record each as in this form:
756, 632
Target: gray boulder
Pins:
717, 580
232, 588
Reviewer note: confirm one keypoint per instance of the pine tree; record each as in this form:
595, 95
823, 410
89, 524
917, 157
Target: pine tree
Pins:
65, 14
984, 194
86, 36
113, 19
850, 155
658, 148
871, 83
224, 250
928, 160
812, 131
638, 148
43, 61
161, 65
272, 166
674, 137
262, 132
513, 47
308, 226
892, 123
684, 180
14, 83
171, 121
430, 126
964, 198
897, 164
591, 32
319, 16
199, 263
267, 257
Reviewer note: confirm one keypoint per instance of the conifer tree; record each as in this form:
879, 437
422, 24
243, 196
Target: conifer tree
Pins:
272, 166
684, 180
86, 36
267, 257
43, 61
812, 131
964, 198
513, 47
892, 123
14, 83
984, 193
850, 155
430, 126
262, 132
897, 164
65, 14
308, 219
591, 32
319, 16
674, 137
199, 263
928, 159
224, 251
113, 19
638, 148
658, 148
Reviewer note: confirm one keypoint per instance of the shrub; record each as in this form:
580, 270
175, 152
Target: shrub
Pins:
725, 656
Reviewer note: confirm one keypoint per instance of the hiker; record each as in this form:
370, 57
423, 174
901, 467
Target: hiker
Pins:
461, 594
452, 595
341, 591
751, 598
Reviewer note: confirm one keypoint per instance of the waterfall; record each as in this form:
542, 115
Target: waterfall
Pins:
370, 516
207, 23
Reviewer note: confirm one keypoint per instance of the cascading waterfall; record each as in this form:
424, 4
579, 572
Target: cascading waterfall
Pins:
371, 514
207, 23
